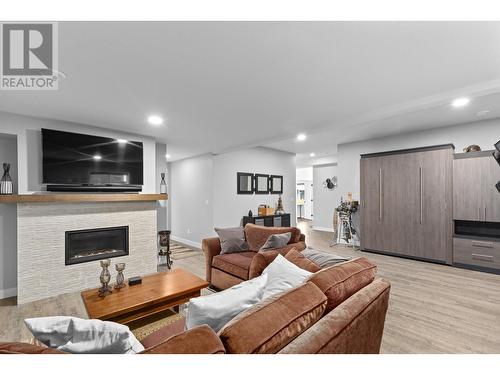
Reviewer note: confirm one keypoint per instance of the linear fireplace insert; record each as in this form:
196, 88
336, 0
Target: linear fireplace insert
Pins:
93, 244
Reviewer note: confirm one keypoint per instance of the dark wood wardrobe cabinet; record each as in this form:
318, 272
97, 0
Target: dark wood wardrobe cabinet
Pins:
406, 203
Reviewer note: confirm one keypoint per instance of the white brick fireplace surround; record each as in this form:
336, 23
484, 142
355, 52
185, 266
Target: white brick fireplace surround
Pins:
41, 231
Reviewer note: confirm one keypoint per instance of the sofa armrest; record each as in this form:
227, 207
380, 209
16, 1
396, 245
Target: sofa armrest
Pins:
25, 348
199, 340
355, 326
211, 247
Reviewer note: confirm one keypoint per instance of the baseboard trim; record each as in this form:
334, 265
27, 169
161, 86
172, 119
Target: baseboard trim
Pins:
323, 229
186, 242
7, 293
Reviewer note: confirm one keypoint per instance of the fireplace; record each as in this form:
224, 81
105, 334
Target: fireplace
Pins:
94, 244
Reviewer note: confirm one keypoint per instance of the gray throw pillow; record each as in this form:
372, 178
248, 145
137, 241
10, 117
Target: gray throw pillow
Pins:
276, 241
232, 240
323, 259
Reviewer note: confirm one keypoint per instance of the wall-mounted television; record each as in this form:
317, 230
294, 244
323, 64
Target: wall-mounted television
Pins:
81, 162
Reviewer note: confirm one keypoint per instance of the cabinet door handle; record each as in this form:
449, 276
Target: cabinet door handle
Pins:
482, 244
380, 194
486, 258
421, 195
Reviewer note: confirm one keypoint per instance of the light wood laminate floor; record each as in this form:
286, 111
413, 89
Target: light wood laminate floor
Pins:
433, 308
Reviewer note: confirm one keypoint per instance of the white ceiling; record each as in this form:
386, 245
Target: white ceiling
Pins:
226, 85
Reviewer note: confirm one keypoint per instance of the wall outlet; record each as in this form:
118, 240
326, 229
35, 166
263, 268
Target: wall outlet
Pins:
188, 231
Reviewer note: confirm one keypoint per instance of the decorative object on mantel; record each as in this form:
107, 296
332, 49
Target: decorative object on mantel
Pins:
472, 148
163, 184
164, 249
120, 280
250, 213
279, 208
105, 278
6, 187
330, 183
344, 229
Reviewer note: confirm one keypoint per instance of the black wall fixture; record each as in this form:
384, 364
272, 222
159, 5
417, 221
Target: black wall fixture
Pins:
276, 184
261, 183
245, 183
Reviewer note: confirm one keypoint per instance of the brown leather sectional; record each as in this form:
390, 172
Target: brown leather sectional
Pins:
226, 270
341, 309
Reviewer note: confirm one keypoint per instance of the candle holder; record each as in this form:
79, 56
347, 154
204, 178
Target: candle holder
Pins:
105, 278
120, 280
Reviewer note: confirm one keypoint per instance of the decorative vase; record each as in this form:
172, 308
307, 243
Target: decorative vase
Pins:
120, 279
279, 208
163, 184
105, 278
6, 187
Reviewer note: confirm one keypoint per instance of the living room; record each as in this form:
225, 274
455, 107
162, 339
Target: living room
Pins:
251, 187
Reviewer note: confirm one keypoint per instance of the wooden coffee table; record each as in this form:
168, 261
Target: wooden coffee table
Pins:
157, 293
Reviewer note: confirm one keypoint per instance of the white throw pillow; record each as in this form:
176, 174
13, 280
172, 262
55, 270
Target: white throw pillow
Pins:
219, 308
75, 335
282, 275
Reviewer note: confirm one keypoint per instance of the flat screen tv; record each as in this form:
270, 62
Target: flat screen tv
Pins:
81, 162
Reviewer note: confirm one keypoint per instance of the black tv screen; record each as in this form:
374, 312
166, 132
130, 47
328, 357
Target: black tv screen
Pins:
87, 160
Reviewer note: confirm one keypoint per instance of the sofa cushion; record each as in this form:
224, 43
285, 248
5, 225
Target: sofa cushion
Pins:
341, 281
236, 264
322, 258
257, 235
199, 340
232, 240
84, 336
217, 309
274, 322
301, 261
283, 275
276, 241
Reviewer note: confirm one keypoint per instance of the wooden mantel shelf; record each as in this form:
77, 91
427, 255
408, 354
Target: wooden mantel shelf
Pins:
77, 197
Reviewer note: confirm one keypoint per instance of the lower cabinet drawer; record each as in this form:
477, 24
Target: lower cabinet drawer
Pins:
476, 252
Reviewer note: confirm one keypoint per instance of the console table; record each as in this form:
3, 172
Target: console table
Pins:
268, 220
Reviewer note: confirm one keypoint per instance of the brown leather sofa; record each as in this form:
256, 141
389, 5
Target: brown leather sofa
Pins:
226, 270
341, 309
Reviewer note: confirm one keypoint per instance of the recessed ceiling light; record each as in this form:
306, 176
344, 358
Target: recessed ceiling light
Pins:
155, 120
97, 157
312, 154
301, 137
460, 102
483, 112
121, 140
167, 156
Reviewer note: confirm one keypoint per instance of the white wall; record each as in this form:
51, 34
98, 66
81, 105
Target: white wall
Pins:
483, 133
203, 190
191, 183
29, 150
230, 207
8, 223
305, 174
325, 200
